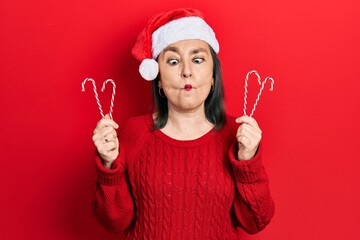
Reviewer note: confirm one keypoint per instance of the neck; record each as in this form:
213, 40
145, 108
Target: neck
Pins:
187, 125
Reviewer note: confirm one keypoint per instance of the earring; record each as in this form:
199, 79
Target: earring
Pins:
212, 88
161, 95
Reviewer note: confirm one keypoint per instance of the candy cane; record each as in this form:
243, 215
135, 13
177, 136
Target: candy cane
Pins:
260, 92
112, 95
95, 92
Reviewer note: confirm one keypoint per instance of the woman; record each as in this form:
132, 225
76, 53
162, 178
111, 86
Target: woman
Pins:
187, 171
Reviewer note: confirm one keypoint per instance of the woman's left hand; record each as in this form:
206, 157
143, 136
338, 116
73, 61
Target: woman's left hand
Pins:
248, 137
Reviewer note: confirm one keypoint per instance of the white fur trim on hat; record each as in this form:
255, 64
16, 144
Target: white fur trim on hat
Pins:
182, 29
149, 69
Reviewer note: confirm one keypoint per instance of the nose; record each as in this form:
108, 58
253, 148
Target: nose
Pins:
186, 71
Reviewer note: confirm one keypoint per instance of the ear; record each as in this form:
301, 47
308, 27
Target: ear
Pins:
159, 84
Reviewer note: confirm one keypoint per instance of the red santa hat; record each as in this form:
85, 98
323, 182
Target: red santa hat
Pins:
165, 29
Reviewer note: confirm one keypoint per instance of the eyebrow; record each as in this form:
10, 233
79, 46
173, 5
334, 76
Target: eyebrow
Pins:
171, 49
195, 51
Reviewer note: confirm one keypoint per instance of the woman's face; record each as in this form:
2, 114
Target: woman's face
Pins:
186, 74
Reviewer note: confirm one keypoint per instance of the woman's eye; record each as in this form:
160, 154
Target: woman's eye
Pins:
173, 61
198, 60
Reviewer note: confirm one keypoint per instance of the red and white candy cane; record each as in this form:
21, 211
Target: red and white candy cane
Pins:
260, 92
95, 92
97, 95
112, 95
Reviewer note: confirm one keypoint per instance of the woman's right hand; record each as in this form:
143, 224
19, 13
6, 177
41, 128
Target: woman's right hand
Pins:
106, 141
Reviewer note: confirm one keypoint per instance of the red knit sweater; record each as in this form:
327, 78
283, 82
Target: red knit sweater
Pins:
162, 188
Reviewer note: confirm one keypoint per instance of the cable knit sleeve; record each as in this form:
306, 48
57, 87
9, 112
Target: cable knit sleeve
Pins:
113, 206
253, 206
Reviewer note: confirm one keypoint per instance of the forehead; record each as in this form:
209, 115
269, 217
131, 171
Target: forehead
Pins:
188, 46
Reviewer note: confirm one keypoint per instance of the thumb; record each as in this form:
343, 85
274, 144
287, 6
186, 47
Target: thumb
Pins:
107, 116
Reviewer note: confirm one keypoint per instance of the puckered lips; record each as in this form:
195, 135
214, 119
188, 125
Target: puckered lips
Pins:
188, 87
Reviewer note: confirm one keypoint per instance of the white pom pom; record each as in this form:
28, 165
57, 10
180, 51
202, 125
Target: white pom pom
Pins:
149, 69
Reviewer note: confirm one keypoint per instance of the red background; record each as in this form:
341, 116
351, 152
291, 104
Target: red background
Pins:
310, 121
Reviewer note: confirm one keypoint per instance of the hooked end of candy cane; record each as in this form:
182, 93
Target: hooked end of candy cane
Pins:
109, 80
271, 84
257, 75
84, 82
83, 86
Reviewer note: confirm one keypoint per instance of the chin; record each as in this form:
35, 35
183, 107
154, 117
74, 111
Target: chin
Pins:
190, 106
